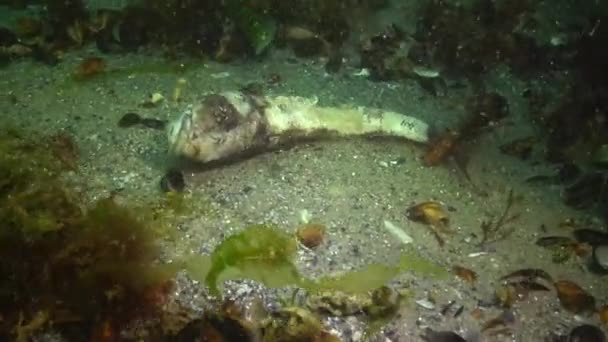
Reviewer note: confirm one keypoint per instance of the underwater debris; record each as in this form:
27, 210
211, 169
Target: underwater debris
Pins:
497, 230
433, 215
563, 247
467, 275
430, 335
295, 324
133, 119
397, 232
517, 285
514, 291
385, 56
500, 325
179, 89
129, 119
530, 274
311, 235
441, 148
484, 110
574, 298
90, 67
378, 305
153, 100
230, 323
507, 295
173, 181
304, 42
336, 303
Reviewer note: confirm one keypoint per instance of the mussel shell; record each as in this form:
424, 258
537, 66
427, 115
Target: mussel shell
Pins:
173, 181
586, 333
430, 335
591, 237
129, 119
599, 260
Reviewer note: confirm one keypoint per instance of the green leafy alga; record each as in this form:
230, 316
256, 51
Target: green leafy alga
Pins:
265, 254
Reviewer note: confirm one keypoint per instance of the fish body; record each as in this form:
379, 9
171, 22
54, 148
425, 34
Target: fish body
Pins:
229, 124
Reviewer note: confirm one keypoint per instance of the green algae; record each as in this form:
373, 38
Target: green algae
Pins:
96, 263
374, 276
265, 254
260, 29
260, 252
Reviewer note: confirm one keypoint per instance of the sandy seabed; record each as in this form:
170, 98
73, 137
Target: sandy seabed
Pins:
350, 186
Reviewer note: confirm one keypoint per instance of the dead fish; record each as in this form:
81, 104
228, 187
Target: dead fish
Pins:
229, 125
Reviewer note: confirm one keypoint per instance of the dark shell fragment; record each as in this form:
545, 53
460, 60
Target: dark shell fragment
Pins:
173, 181
129, 120
586, 333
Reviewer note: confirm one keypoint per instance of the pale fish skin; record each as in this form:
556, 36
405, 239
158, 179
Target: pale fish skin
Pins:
230, 124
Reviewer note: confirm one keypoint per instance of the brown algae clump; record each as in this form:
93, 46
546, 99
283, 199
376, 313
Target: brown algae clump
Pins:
62, 264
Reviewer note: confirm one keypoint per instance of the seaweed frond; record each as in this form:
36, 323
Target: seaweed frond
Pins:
265, 254
496, 230
62, 263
